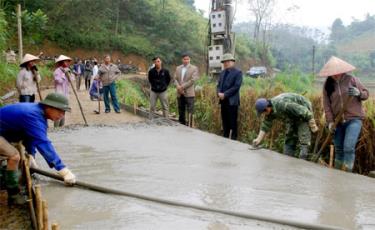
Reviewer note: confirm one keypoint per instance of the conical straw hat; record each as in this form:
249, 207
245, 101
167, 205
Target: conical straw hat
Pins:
335, 66
28, 58
62, 58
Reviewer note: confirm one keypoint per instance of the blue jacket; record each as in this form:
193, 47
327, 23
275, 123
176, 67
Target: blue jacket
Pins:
26, 122
230, 85
75, 68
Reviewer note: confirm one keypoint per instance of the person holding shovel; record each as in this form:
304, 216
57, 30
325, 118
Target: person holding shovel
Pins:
296, 111
338, 87
27, 122
61, 82
27, 78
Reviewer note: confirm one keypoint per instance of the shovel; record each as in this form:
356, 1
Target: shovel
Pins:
330, 134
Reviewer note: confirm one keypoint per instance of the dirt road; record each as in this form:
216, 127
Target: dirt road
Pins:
75, 117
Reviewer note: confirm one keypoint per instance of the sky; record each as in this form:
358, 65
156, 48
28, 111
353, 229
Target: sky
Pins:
312, 13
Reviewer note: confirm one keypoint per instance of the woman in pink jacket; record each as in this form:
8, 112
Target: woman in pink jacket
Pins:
338, 87
61, 82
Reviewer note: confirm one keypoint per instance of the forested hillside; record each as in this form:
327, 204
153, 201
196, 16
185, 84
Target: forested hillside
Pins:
292, 46
141, 27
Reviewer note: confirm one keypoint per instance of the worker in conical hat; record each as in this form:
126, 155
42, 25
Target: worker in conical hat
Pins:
27, 78
61, 81
340, 85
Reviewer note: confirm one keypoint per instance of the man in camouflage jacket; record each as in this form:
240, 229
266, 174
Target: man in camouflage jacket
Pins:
296, 111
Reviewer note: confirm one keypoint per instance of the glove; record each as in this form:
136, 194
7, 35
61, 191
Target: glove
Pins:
259, 139
313, 126
353, 91
69, 177
330, 127
32, 162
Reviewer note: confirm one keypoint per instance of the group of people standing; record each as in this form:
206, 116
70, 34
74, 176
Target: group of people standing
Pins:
184, 80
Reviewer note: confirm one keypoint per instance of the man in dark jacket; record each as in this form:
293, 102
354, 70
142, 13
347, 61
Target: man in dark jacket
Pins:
159, 79
228, 91
78, 70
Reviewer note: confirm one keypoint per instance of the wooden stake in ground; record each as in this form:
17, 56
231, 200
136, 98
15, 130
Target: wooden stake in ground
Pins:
39, 206
55, 226
331, 155
45, 215
67, 75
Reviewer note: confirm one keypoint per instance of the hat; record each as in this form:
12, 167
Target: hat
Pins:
227, 57
335, 66
28, 58
260, 105
56, 100
62, 58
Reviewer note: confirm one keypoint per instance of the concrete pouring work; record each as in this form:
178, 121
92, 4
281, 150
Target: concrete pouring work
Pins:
166, 115
180, 164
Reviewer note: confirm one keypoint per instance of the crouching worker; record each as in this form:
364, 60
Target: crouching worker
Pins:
296, 111
27, 122
96, 92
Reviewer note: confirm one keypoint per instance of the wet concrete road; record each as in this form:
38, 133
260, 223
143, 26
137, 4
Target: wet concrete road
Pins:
181, 164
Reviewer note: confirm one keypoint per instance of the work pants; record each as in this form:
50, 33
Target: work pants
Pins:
163, 97
78, 81
185, 103
229, 114
111, 90
297, 133
345, 140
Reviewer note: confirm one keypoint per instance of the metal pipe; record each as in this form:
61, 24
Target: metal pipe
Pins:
192, 206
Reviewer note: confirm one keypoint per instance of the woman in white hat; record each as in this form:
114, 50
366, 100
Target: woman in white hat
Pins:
337, 88
27, 78
61, 82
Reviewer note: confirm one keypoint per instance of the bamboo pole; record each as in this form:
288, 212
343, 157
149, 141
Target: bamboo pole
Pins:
32, 214
67, 75
187, 205
55, 226
331, 155
28, 178
45, 215
19, 26
39, 207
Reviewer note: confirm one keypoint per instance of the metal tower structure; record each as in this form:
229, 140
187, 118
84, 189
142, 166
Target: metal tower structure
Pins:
221, 38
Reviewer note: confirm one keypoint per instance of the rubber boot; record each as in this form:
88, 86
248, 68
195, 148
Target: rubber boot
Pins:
12, 187
346, 168
304, 152
289, 150
338, 164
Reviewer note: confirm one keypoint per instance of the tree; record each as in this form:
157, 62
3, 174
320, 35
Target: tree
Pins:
338, 30
262, 10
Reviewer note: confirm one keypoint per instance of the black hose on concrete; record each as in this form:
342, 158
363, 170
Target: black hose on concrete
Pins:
185, 205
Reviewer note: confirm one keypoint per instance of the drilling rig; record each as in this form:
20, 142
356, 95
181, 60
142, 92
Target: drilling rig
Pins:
221, 39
